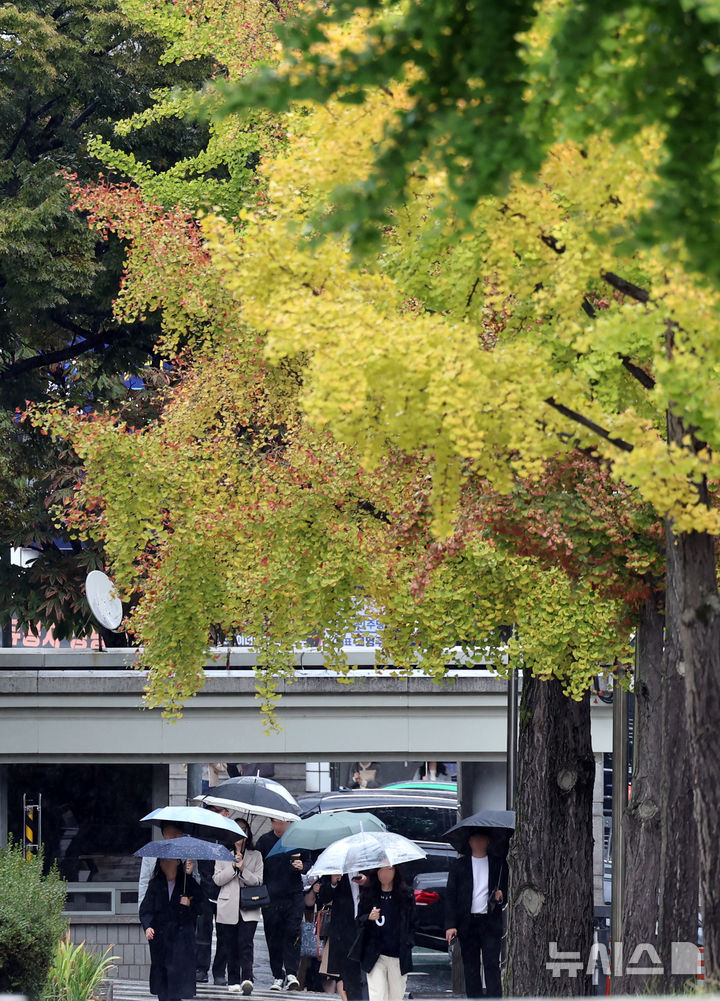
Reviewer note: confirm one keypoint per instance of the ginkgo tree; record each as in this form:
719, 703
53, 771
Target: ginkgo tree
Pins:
405, 354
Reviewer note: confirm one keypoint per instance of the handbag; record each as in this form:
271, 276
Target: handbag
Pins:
253, 896
310, 944
324, 920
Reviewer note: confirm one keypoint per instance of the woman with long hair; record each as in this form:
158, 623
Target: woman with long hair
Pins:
386, 922
235, 925
168, 913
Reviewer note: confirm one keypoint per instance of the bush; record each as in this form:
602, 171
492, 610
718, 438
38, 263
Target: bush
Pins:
31, 922
76, 973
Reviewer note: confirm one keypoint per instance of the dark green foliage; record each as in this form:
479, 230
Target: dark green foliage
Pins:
67, 73
31, 922
607, 66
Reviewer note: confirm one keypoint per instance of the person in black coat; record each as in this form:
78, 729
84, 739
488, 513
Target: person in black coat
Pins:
386, 933
283, 915
476, 895
168, 913
343, 897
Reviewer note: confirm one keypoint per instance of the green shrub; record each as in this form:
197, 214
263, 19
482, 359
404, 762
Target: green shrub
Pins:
31, 922
76, 973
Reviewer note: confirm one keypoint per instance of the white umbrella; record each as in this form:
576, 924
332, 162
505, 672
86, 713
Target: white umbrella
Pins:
366, 850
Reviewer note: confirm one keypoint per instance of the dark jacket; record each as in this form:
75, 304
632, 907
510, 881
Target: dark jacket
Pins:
458, 896
173, 947
279, 875
366, 947
343, 928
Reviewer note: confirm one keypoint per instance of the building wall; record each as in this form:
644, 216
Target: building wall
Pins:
126, 938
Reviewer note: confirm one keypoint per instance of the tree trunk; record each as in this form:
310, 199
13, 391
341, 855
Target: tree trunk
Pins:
679, 854
641, 819
551, 855
695, 582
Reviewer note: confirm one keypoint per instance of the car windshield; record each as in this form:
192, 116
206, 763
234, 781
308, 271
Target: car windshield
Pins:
419, 823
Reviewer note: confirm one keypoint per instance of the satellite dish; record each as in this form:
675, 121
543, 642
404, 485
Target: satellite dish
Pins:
103, 600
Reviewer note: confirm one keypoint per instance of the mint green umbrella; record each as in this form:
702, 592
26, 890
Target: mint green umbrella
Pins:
323, 829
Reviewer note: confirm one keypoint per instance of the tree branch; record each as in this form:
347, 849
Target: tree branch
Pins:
90, 342
626, 287
585, 422
84, 115
638, 373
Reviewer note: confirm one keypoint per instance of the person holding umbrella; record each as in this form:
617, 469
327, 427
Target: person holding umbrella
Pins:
168, 913
235, 926
283, 915
386, 922
476, 894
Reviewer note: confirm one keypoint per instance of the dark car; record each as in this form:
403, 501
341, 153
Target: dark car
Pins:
422, 815
430, 889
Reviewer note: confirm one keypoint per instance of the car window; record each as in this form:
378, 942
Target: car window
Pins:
419, 823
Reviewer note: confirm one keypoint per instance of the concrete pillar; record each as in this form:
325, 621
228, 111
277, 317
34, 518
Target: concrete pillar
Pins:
598, 833
194, 781
481, 786
177, 784
3, 805
160, 786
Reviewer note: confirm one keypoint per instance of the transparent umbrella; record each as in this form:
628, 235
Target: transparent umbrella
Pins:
367, 850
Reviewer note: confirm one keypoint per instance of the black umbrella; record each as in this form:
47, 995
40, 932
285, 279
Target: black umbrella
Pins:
186, 848
249, 794
499, 824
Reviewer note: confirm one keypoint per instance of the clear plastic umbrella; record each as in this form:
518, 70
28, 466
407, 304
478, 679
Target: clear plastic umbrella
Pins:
367, 850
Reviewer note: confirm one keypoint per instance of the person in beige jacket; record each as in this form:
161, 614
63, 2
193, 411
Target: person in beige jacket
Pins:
236, 927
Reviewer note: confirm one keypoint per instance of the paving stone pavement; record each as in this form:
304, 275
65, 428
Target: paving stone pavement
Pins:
137, 990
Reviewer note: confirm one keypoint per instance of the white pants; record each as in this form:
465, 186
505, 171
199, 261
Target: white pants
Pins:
385, 982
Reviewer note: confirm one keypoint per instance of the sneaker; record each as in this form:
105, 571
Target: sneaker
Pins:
235, 989
277, 985
246, 986
220, 981
293, 984
201, 977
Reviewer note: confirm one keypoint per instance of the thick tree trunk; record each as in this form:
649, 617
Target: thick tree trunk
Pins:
695, 581
679, 855
551, 858
641, 820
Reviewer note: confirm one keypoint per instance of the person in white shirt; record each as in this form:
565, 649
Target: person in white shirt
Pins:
476, 894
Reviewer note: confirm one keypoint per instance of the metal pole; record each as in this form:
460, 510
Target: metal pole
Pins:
619, 802
6, 630
512, 741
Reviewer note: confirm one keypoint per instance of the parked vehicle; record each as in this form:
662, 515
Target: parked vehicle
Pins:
430, 889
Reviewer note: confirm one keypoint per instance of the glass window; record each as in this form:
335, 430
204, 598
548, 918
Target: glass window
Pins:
419, 823
89, 817
90, 901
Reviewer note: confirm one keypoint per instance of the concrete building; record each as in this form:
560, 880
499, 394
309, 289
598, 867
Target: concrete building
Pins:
72, 725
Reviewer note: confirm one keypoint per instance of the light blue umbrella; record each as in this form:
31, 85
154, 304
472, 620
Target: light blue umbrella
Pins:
324, 829
196, 820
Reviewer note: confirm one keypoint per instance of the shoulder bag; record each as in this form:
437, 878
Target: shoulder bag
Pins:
254, 896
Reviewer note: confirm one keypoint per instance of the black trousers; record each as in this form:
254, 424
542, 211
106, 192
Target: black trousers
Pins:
351, 976
236, 942
481, 937
203, 944
282, 919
